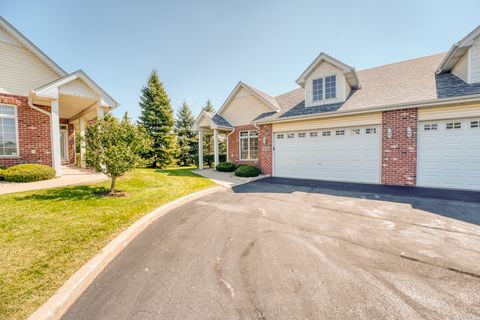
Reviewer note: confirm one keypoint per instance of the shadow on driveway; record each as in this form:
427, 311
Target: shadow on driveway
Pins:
456, 204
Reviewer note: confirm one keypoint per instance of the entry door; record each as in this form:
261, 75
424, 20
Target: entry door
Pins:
339, 154
449, 154
64, 144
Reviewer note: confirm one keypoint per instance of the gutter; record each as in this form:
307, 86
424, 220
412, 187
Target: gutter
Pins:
228, 135
397, 106
30, 104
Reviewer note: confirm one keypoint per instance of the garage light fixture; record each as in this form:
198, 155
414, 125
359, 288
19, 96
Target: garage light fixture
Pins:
389, 133
409, 132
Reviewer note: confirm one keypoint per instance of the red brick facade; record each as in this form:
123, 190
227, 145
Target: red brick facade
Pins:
264, 162
399, 153
33, 133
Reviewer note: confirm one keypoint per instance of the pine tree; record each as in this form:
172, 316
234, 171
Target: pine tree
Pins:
157, 119
208, 137
186, 141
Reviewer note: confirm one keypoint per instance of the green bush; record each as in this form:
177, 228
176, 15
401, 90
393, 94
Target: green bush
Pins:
2, 172
247, 171
208, 159
28, 173
226, 167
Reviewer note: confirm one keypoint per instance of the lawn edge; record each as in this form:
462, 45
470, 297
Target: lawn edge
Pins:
56, 306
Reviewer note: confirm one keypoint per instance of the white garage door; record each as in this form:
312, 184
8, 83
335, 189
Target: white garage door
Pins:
449, 154
340, 154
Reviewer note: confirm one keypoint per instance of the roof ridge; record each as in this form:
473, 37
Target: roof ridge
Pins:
403, 61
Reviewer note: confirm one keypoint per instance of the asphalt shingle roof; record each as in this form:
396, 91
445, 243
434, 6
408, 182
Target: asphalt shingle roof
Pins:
219, 120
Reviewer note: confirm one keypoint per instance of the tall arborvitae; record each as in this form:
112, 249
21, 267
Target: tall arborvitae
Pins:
186, 142
157, 119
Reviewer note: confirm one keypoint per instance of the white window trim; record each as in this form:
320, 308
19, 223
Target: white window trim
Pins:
323, 88
248, 144
16, 132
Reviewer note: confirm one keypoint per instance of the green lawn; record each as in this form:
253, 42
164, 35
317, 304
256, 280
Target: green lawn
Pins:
45, 236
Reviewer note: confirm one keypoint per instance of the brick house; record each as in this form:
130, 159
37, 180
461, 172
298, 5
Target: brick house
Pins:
42, 107
410, 123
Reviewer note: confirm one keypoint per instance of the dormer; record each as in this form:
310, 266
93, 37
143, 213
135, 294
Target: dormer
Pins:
327, 81
463, 58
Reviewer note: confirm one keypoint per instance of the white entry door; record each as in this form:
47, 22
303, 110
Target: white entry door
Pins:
64, 144
449, 154
340, 154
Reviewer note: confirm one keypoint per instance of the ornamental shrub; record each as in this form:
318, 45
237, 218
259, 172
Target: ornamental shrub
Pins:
28, 173
247, 171
226, 167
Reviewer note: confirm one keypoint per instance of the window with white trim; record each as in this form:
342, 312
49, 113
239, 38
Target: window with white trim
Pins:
371, 130
290, 136
248, 145
475, 124
340, 132
280, 136
324, 88
302, 135
430, 127
326, 133
453, 125
313, 134
8, 131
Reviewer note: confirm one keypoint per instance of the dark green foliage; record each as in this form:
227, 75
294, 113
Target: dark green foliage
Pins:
157, 119
186, 137
209, 158
2, 171
247, 171
114, 147
28, 173
226, 167
207, 136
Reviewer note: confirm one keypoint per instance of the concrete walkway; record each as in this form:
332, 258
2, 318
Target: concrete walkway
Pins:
225, 179
71, 175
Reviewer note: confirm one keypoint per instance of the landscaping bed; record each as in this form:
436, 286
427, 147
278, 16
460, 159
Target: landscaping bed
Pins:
45, 236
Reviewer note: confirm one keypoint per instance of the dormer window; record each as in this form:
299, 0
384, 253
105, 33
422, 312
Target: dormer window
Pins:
329, 90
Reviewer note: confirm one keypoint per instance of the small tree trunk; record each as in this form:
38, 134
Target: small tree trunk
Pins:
112, 184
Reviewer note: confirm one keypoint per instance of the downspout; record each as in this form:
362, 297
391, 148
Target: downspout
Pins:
228, 135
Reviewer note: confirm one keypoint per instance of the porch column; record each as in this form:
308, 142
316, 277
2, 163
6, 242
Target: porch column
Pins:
200, 149
215, 147
55, 125
82, 142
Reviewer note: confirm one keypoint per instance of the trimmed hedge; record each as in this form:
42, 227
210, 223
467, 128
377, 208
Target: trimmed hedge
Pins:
247, 171
226, 167
28, 173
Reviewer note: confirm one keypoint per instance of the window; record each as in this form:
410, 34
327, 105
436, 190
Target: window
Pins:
302, 135
371, 130
248, 145
340, 132
313, 134
279, 136
475, 124
326, 133
290, 136
327, 91
430, 127
317, 89
330, 87
8, 131
453, 125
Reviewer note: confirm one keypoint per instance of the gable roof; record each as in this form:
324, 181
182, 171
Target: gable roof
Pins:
262, 96
350, 73
216, 120
401, 84
51, 89
31, 47
457, 51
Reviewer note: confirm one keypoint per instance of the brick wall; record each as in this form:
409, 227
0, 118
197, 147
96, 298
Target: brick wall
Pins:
264, 162
399, 153
33, 133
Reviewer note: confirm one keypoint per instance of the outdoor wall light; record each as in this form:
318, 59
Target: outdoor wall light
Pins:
264, 140
389, 133
409, 132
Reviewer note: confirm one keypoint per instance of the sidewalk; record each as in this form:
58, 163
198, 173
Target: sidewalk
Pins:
225, 179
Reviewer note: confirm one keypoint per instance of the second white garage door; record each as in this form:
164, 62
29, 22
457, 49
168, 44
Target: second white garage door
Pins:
340, 154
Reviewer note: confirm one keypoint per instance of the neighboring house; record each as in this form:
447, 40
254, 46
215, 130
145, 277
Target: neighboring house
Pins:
41, 105
411, 123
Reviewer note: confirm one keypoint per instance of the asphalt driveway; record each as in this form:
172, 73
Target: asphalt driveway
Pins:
270, 250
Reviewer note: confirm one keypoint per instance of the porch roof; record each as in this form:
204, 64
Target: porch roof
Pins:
210, 121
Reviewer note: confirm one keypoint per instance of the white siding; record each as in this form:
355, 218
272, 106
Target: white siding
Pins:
461, 68
325, 69
474, 61
20, 70
438, 113
333, 122
243, 108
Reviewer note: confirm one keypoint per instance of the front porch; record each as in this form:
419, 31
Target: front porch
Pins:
74, 102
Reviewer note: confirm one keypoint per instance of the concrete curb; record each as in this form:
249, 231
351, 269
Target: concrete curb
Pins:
59, 303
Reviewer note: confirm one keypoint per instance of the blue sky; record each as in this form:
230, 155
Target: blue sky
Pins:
201, 49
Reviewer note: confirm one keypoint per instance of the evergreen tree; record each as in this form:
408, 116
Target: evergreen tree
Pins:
186, 141
157, 119
208, 137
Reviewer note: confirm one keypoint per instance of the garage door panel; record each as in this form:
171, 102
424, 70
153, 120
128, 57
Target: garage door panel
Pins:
348, 157
449, 158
